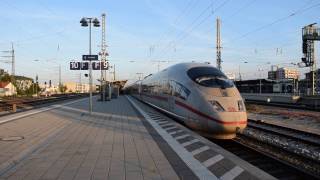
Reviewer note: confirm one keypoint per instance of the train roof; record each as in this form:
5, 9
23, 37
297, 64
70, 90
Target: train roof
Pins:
180, 66
190, 65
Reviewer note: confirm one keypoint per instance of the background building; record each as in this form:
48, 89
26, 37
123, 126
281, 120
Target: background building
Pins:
48, 90
7, 89
283, 73
272, 75
73, 87
23, 83
287, 73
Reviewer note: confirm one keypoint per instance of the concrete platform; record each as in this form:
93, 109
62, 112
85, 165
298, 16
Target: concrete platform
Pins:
118, 141
277, 98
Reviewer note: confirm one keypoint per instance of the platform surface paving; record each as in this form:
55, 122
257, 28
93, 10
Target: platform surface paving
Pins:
67, 143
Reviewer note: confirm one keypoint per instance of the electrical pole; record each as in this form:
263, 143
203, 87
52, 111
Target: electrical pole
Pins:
114, 72
60, 85
139, 75
103, 55
158, 63
218, 45
13, 61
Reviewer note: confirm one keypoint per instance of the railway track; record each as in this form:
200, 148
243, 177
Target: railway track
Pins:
27, 103
284, 105
295, 134
294, 150
253, 152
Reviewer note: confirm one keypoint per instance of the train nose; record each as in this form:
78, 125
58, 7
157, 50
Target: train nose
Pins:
228, 124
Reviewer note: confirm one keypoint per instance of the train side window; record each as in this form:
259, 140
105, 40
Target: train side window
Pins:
179, 90
184, 92
176, 91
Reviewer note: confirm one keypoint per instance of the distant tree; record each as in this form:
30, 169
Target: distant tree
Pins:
6, 78
62, 88
33, 89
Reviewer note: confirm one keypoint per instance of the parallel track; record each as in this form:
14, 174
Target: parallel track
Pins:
21, 103
276, 167
293, 147
298, 135
285, 105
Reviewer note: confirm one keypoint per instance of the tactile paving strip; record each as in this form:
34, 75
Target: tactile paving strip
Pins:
216, 163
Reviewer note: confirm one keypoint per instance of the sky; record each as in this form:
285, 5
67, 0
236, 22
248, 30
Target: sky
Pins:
144, 36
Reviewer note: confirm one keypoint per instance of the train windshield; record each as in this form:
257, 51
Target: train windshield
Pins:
209, 77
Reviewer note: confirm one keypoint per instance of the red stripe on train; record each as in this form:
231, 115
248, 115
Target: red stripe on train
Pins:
181, 104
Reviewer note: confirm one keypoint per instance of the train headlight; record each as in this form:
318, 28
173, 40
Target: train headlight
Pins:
241, 106
216, 106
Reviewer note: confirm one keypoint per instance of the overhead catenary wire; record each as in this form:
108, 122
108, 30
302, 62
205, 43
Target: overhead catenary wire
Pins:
192, 26
31, 35
299, 11
239, 10
191, 4
245, 6
194, 21
275, 52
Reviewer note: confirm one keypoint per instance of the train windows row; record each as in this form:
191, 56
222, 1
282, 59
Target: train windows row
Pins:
167, 87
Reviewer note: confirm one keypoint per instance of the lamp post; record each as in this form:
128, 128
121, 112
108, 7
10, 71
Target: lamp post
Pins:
240, 71
85, 22
260, 83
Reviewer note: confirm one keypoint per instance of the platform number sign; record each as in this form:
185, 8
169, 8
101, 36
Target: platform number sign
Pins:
79, 65
97, 65
75, 65
85, 65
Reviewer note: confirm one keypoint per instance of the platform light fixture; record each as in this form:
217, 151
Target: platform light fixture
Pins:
85, 22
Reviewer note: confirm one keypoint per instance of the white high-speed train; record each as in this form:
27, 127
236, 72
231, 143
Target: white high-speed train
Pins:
197, 94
